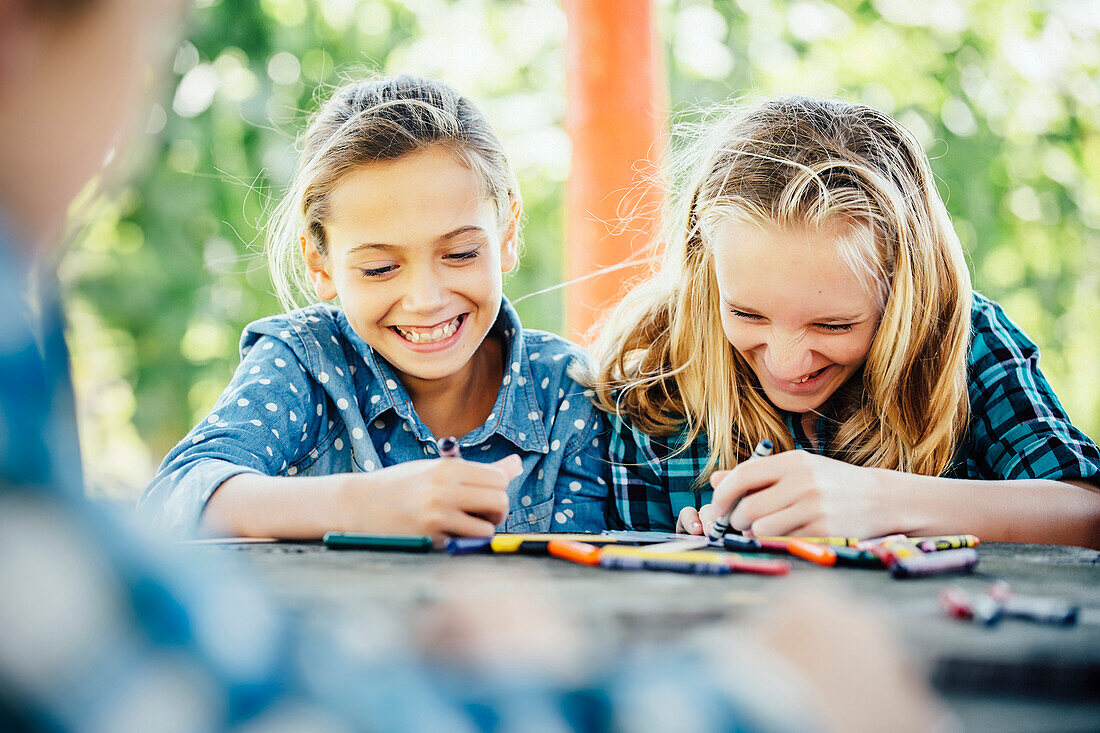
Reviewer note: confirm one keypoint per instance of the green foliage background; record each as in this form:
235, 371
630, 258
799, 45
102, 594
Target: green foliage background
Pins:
1004, 94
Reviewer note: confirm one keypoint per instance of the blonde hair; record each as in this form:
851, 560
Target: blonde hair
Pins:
664, 363
366, 122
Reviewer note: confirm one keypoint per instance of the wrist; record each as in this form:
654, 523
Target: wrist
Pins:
905, 509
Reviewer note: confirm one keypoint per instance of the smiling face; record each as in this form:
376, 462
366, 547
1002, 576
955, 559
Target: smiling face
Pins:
416, 255
800, 316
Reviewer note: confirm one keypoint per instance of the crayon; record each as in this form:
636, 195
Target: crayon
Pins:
535, 543
639, 538
761, 567
703, 563
855, 557
360, 541
835, 541
466, 545
578, 552
957, 603
934, 563
893, 548
711, 556
741, 543
820, 554
773, 544
684, 544
763, 448
676, 566
988, 611
1032, 608
948, 542
1041, 610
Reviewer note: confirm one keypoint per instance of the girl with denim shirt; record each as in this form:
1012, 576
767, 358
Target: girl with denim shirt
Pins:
405, 209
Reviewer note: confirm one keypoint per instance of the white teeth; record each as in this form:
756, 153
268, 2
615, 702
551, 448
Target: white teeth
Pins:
808, 377
438, 334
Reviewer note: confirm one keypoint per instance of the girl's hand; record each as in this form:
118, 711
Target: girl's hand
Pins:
441, 498
800, 493
691, 521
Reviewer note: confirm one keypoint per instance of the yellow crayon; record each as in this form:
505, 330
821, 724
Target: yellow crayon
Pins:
946, 542
839, 541
536, 541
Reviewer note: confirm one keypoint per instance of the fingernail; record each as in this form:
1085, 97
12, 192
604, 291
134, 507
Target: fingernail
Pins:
515, 465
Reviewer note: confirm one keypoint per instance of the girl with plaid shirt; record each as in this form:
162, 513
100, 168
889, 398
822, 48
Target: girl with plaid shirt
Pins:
815, 293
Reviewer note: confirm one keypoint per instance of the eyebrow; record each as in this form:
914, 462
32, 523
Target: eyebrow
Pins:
391, 247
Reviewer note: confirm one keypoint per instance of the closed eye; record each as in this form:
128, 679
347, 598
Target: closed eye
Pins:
746, 316
836, 327
378, 271
473, 254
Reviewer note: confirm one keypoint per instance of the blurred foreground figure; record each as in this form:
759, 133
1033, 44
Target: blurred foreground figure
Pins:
101, 630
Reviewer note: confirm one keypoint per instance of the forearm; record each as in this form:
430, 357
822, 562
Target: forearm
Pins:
254, 505
1049, 512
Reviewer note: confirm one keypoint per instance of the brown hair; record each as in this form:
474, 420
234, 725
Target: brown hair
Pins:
370, 121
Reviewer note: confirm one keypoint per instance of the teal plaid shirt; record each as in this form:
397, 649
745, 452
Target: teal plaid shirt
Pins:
1017, 430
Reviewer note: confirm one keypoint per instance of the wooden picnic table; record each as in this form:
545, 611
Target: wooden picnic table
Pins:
1016, 676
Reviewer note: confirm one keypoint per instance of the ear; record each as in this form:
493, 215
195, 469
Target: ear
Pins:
509, 243
317, 266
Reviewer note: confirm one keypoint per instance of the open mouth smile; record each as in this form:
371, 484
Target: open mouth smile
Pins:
810, 376
430, 334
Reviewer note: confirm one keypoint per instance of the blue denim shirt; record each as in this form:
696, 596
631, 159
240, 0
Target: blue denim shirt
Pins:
310, 398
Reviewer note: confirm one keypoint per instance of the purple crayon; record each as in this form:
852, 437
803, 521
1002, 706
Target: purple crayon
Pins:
934, 563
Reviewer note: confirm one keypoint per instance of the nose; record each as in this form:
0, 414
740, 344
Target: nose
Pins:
787, 357
426, 292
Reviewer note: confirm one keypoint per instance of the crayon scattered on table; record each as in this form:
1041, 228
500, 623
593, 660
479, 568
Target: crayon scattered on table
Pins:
466, 545
957, 603
947, 542
934, 563
740, 543
383, 542
820, 554
893, 548
696, 562
837, 541
855, 557
534, 543
759, 566
578, 552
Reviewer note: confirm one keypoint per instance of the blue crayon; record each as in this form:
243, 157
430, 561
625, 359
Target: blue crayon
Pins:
467, 545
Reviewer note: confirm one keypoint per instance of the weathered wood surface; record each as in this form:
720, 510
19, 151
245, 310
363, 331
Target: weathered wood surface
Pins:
1016, 676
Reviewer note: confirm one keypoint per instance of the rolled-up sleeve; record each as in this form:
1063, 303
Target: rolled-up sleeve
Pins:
265, 422
1018, 428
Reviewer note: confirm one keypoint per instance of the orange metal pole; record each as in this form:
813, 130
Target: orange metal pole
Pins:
615, 117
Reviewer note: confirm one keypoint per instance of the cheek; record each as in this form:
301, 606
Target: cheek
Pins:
851, 352
738, 334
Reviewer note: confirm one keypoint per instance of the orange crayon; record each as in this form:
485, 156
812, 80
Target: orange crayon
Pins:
578, 552
817, 553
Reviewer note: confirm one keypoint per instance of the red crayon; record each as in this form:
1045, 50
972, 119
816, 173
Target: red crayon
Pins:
761, 567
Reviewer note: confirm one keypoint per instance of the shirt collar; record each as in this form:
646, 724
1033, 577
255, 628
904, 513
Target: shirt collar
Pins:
516, 415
